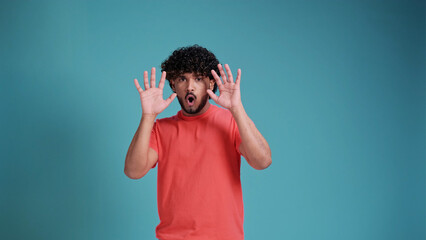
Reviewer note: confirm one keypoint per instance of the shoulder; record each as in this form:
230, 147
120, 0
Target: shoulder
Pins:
224, 115
166, 120
222, 111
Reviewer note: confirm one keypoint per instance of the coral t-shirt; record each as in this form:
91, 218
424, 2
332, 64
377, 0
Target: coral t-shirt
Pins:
198, 181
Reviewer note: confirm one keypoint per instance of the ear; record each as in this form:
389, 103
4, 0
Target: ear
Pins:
173, 85
211, 84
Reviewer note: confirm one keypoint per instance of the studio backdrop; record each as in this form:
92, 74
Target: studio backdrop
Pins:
337, 88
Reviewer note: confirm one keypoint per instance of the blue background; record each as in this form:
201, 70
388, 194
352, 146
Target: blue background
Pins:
337, 88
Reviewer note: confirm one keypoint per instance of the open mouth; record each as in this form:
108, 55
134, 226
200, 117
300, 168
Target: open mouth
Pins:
190, 99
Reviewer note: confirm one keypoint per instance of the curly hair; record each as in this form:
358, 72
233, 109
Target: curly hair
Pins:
190, 59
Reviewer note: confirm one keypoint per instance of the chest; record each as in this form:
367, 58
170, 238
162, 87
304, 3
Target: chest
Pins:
189, 140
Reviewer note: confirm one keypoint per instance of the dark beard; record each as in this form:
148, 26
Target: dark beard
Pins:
198, 109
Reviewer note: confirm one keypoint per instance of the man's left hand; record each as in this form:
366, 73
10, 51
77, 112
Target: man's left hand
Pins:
229, 91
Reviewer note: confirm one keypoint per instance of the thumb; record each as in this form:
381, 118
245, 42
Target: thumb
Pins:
212, 95
170, 99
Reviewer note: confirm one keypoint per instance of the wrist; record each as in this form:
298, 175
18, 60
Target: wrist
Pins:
237, 109
149, 116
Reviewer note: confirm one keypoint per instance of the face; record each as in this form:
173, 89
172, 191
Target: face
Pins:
191, 90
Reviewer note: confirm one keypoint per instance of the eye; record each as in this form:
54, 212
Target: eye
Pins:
182, 79
199, 79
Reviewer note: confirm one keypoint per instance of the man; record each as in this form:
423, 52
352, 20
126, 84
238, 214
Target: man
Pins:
198, 150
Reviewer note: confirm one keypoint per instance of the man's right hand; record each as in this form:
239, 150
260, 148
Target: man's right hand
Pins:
152, 98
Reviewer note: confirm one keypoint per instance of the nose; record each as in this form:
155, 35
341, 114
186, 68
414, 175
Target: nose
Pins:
191, 85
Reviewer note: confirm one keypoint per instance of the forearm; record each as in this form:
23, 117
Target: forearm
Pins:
137, 155
256, 148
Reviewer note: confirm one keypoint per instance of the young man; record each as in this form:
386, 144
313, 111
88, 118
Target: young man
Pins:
198, 150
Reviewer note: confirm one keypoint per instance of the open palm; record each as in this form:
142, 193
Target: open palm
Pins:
229, 91
152, 98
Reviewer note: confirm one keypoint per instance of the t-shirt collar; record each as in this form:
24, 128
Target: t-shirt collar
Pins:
211, 109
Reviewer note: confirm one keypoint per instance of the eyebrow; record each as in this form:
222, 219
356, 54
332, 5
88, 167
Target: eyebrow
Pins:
196, 75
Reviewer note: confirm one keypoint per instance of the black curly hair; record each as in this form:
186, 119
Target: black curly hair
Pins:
190, 59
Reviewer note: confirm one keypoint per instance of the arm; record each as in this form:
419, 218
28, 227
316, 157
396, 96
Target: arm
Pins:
253, 147
140, 157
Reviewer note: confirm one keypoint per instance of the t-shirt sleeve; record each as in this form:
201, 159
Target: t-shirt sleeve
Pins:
236, 136
153, 141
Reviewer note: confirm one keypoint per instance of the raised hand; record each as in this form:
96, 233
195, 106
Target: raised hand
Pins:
230, 96
152, 98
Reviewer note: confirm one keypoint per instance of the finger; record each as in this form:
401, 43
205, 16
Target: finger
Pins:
237, 81
162, 80
228, 71
212, 95
153, 77
170, 99
222, 74
145, 80
138, 87
217, 78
